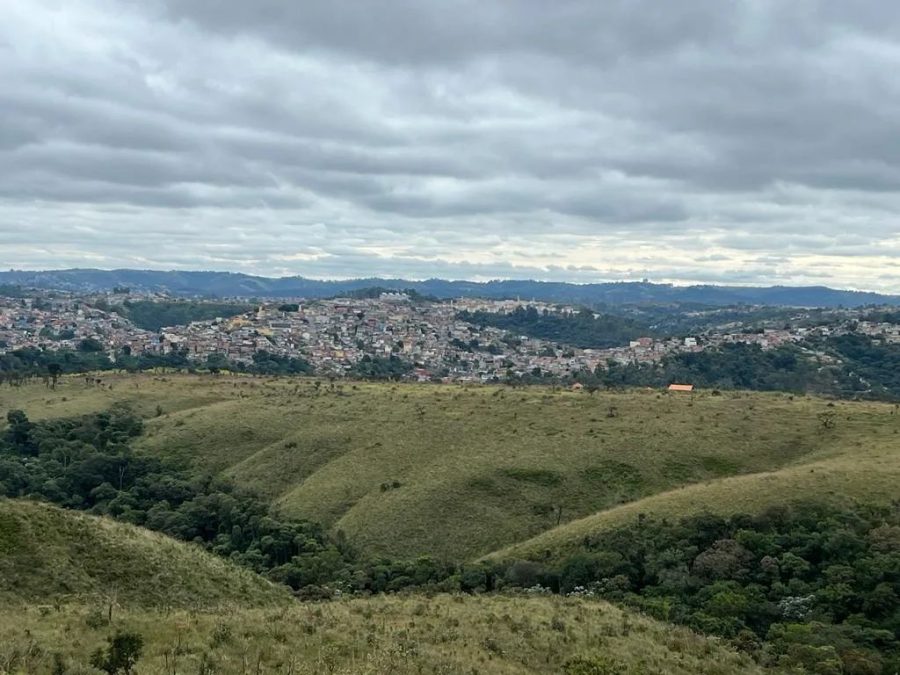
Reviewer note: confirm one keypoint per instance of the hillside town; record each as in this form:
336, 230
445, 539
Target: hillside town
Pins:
335, 335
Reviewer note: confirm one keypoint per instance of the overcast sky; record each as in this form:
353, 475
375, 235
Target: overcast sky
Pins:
753, 141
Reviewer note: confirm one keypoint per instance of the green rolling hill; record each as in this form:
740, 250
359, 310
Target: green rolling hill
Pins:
69, 581
477, 476
461, 472
869, 473
48, 554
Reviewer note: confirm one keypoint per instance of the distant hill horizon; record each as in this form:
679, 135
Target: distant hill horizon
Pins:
233, 284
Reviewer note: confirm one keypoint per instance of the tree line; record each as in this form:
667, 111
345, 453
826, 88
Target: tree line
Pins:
803, 586
28, 363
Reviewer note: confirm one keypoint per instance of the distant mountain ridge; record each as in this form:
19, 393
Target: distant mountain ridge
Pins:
232, 284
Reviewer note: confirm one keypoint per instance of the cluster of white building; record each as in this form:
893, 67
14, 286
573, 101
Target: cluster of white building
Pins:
62, 323
334, 335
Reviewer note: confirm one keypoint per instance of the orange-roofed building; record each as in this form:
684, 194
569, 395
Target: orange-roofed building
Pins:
681, 387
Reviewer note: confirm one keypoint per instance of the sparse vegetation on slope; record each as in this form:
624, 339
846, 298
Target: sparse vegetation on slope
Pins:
455, 635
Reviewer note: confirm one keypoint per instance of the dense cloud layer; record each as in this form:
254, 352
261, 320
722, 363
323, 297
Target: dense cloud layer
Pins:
752, 141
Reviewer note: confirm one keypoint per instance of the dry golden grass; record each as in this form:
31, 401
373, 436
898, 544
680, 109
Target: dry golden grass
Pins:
399, 635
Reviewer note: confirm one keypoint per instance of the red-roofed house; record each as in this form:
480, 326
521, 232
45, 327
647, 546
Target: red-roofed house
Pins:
681, 387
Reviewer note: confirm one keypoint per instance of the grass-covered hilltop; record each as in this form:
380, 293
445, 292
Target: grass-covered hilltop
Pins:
217, 523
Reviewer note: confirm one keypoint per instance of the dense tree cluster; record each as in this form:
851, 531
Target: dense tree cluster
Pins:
153, 315
381, 368
267, 363
732, 366
583, 329
873, 364
29, 363
855, 367
684, 319
883, 316
809, 586
13, 291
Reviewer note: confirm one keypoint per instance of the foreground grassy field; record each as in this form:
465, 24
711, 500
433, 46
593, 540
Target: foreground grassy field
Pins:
460, 472
400, 635
49, 555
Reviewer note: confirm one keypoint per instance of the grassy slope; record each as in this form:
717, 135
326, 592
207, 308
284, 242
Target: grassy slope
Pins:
50, 555
483, 467
400, 635
479, 468
870, 473
143, 392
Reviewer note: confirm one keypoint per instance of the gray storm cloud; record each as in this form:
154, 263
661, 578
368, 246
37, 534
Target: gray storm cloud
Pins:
752, 141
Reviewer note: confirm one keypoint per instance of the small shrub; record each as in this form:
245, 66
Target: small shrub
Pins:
96, 618
595, 665
121, 654
221, 635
